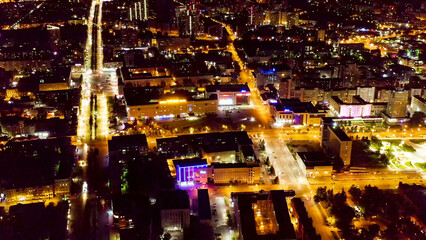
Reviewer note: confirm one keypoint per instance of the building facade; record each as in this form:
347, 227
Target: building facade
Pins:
335, 141
235, 173
397, 106
174, 107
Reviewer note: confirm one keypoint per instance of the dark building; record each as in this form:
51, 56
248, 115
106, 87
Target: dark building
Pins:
334, 140
306, 230
164, 10
263, 215
192, 145
122, 150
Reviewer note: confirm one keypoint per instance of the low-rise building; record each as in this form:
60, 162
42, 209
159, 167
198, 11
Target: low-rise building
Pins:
37, 169
295, 112
171, 106
262, 215
358, 107
61, 187
230, 94
314, 164
225, 173
175, 210
190, 171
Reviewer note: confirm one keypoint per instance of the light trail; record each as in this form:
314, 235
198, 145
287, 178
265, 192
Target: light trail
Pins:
88, 49
16, 24
99, 48
102, 118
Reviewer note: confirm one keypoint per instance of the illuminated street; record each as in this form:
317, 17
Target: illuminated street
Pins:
87, 222
213, 120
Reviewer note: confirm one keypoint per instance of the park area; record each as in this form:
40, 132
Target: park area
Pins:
395, 154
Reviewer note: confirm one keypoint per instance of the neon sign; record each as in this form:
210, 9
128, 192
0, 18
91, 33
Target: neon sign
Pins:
172, 101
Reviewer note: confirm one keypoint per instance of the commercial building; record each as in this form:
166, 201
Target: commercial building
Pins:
314, 164
229, 95
235, 173
190, 171
262, 215
59, 79
397, 105
335, 141
172, 107
149, 102
358, 107
295, 112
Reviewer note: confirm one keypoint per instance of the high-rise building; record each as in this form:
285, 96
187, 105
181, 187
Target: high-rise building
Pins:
335, 141
397, 105
164, 10
187, 20
366, 93
138, 11
321, 35
418, 104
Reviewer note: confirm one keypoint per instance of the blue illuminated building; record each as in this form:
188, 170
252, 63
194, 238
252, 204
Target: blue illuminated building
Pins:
189, 171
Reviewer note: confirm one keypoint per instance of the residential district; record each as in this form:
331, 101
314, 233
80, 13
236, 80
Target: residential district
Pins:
212, 119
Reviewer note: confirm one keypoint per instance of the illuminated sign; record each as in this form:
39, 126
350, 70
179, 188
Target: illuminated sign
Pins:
243, 94
226, 101
188, 173
172, 101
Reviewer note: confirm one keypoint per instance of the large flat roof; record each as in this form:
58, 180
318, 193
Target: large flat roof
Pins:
227, 88
312, 159
119, 142
244, 202
340, 133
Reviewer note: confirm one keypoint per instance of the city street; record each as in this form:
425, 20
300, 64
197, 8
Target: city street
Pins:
91, 217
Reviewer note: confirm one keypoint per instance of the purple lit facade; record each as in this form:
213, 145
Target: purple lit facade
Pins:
191, 174
355, 110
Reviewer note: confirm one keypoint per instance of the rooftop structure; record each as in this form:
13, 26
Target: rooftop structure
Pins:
263, 215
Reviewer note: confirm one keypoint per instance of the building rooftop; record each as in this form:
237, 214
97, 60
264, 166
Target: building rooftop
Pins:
35, 162
420, 99
312, 159
142, 95
204, 204
228, 88
183, 145
244, 206
358, 99
176, 199
120, 142
232, 165
296, 106
190, 162
340, 133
